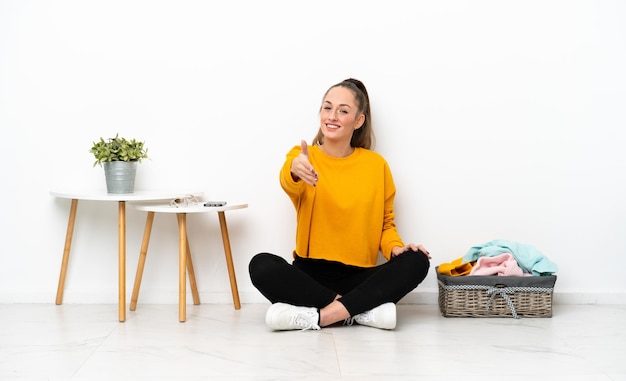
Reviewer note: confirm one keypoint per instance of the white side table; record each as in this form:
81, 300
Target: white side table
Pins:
184, 258
121, 200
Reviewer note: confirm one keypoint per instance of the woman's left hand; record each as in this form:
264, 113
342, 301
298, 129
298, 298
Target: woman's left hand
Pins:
397, 250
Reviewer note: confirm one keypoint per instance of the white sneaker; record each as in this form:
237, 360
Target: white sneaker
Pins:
282, 317
383, 316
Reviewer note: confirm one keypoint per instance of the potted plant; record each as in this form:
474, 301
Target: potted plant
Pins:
119, 157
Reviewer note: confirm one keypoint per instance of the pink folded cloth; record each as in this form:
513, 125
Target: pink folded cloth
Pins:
502, 264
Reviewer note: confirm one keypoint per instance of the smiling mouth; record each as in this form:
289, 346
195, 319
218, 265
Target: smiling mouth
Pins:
332, 127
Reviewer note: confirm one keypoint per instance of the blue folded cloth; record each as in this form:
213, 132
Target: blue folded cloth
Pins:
528, 258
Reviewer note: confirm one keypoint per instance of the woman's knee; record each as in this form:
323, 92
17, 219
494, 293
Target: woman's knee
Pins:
262, 264
417, 263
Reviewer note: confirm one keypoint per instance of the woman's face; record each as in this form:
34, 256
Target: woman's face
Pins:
340, 115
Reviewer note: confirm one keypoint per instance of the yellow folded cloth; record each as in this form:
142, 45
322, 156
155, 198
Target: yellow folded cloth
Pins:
456, 267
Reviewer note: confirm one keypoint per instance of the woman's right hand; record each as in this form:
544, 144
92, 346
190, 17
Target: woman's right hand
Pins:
301, 168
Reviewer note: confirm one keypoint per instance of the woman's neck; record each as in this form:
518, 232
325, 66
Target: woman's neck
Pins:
336, 150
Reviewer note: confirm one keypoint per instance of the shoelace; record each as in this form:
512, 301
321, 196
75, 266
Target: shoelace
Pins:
364, 316
304, 321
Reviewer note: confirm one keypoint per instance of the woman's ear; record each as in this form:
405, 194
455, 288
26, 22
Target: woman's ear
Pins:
360, 121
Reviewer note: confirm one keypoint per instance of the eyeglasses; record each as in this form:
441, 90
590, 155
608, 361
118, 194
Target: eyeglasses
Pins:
188, 200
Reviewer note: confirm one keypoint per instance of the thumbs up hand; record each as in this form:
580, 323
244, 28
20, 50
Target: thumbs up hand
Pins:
301, 168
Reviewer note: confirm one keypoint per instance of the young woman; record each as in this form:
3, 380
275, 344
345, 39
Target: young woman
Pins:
343, 193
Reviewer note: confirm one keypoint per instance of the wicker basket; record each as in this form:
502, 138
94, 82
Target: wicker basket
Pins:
495, 296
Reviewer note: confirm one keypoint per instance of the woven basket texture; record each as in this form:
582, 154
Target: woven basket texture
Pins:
494, 296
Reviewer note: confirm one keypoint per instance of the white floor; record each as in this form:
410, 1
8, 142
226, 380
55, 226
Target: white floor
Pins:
86, 342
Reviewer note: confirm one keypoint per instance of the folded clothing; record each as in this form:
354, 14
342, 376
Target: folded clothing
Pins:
528, 258
455, 268
501, 265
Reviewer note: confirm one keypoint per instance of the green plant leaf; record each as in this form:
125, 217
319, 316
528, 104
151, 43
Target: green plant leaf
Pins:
118, 149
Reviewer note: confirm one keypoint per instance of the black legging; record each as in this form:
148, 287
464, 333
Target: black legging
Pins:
316, 283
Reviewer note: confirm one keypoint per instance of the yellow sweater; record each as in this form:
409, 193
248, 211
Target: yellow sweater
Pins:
348, 217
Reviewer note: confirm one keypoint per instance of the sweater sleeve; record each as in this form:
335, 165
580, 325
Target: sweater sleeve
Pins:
390, 237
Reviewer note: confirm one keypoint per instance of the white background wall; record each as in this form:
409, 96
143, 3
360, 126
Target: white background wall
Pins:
499, 120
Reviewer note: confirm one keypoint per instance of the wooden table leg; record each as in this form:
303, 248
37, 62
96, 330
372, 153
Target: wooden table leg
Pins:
229, 260
122, 259
66, 250
192, 276
142, 260
182, 266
